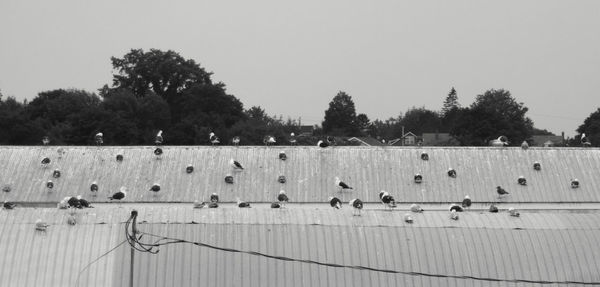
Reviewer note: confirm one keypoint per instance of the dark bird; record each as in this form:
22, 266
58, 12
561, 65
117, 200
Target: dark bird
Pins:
41, 225
387, 200
358, 206
99, 138
585, 141
94, 187
235, 140
416, 208
282, 155
84, 203
74, 202
501, 191
235, 165
242, 204
159, 139
213, 205
119, 157
456, 208
269, 140
282, 197
524, 145
513, 212
275, 205
9, 205
574, 183
466, 203
213, 138
45, 140
335, 202
342, 185
521, 180
281, 179
493, 208
452, 173
330, 140
155, 187
229, 179
418, 178
537, 166
119, 195
56, 173
198, 204
158, 152
322, 144
45, 162
189, 168
214, 197
49, 184
424, 156
292, 139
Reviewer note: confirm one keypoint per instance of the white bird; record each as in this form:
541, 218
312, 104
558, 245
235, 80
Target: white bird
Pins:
159, 139
292, 139
235, 165
41, 225
335, 202
99, 138
387, 200
357, 205
236, 141
408, 218
269, 140
45, 140
500, 141
416, 208
213, 138
342, 185
63, 204
322, 144
198, 204
524, 145
513, 212
456, 207
585, 141
453, 215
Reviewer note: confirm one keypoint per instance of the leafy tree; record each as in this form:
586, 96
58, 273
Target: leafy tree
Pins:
591, 128
340, 118
420, 120
541, 132
363, 123
493, 114
15, 127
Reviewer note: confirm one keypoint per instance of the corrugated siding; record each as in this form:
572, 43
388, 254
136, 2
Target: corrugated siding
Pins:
310, 173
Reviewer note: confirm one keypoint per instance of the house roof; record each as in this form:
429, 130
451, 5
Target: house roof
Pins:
367, 141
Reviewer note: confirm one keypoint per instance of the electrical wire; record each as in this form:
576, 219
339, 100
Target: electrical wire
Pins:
96, 260
165, 240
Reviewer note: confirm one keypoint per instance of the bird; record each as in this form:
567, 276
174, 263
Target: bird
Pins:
335, 202
64, 203
119, 195
213, 205
275, 205
119, 157
159, 139
416, 208
71, 220
74, 202
235, 165
155, 187
189, 168
585, 141
513, 212
49, 185
281, 179
466, 203
408, 218
242, 204
229, 179
213, 138
56, 173
99, 138
45, 162
235, 140
524, 145
521, 180
292, 139
451, 172
453, 215
537, 166
357, 204
322, 144
418, 178
574, 183
493, 208
282, 197
387, 200
214, 197
198, 204
45, 140
84, 203
41, 225
342, 185
500, 141
9, 205
158, 152
501, 191
331, 140
424, 156
282, 155
94, 187
60, 151
269, 140
456, 207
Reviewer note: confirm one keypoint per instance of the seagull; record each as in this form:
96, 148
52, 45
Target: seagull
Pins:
45, 140
60, 151
522, 180
198, 204
158, 152
358, 206
574, 183
41, 225
275, 205
99, 138
292, 139
408, 218
524, 145
424, 156
214, 198
322, 144
537, 166
416, 208
500, 141
456, 207
155, 187
56, 173
213, 205
94, 187
242, 204
9, 205
213, 138
466, 203
453, 215
189, 168
45, 162
64, 203
451, 172
418, 178
229, 179
49, 184
331, 140
236, 141
501, 191
159, 139
269, 140
493, 208
282, 197
119, 157
513, 212
335, 202
84, 203
235, 165
282, 155
387, 200
74, 202
585, 141
71, 220
119, 195
342, 185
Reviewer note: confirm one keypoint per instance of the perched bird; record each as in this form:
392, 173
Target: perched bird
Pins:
119, 157
45, 162
322, 144
71, 220
416, 208
331, 140
335, 202
282, 155
6, 188
64, 203
213, 138
99, 138
74, 202
60, 151
574, 183
521, 180
159, 139
235, 165
456, 208
235, 140
281, 179
56, 173
155, 187
213, 205
466, 203
292, 139
9, 205
451, 172
524, 145
49, 184
408, 218
453, 215
94, 187
158, 152
275, 205
341, 185
387, 200
513, 212
45, 140
493, 208
282, 197
119, 195
500, 141
198, 204
501, 191
242, 204
229, 179
189, 168
418, 178
269, 140
585, 141
358, 206
214, 197
41, 225
84, 203
537, 166
424, 156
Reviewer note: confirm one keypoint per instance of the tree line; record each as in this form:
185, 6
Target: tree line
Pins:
160, 90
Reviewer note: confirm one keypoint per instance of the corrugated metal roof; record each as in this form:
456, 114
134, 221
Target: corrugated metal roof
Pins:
310, 173
535, 246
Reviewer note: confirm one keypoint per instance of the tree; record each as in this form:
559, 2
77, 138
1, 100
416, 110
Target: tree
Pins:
591, 128
493, 114
363, 123
450, 103
340, 118
15, 127
420, 120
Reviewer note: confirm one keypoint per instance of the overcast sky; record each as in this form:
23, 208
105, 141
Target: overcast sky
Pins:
291, 58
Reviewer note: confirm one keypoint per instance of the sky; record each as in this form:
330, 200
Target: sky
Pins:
292, 57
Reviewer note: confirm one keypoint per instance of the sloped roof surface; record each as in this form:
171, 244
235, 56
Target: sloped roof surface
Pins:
310, 173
